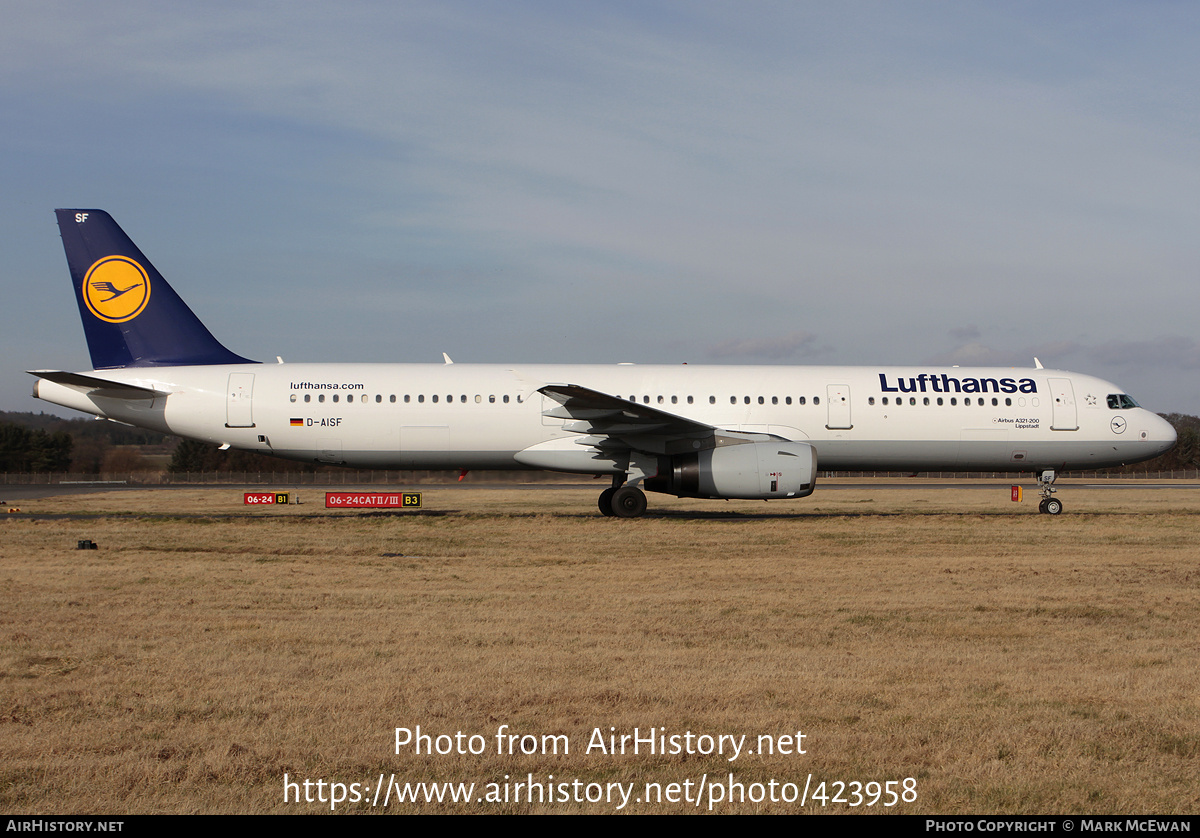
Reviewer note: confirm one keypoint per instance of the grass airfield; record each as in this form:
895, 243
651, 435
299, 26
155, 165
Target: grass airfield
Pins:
1008, 662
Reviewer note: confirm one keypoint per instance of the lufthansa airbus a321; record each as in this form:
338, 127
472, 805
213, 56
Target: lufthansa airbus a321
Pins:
755, 432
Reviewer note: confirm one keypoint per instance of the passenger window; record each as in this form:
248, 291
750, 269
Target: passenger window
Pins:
491, 399
816, 399
392, 398
788, 399
421, 399
733, 399
995, 401
871, 400
506, 399
321, 398
712, 399
379, 398
927, 401
1008, 402
307, 397
348, 399
747, 398
912, 400
674, 399
435, 398
800, 400
940, 402
292, 398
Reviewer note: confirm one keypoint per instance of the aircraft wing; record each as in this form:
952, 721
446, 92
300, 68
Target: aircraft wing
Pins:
97, 386
610, 422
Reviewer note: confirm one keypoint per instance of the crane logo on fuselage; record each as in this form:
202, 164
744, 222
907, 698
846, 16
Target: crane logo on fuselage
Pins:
116, 289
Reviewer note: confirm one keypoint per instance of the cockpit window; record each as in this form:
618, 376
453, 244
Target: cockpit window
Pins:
1120, 401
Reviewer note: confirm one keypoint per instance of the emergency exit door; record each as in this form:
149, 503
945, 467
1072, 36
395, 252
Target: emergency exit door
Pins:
239, 407
837, 397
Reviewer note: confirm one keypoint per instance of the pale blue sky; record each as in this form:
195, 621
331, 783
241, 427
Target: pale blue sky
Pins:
858, 183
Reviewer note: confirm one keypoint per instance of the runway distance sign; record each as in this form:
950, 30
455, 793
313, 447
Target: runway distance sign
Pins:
372, 500
260, 498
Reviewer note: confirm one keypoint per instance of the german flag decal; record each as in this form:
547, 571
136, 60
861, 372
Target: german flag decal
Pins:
297, 423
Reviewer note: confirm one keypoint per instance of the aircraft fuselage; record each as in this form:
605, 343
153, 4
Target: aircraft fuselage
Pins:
484, 416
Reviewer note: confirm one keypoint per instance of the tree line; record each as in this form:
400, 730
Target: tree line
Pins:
28, 450
43, 442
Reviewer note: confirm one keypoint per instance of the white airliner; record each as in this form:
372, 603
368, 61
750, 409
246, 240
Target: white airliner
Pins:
692, 431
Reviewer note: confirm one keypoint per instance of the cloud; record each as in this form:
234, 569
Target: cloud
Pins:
1166, 352
976, 354
791, 345
1170, 351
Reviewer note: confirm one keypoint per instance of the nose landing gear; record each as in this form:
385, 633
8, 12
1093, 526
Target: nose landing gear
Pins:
1049, 505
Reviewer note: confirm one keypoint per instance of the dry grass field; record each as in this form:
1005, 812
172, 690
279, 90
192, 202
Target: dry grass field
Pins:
1007, 661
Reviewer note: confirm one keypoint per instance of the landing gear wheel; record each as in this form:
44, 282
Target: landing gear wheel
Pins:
1050, 505
605, 503
628, 502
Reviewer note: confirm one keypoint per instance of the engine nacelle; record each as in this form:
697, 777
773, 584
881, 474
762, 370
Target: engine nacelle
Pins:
750, 471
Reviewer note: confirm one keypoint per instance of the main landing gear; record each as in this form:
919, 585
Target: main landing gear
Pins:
1049, 505
622, 501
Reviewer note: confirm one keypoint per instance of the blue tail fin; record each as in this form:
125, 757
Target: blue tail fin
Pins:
131, 316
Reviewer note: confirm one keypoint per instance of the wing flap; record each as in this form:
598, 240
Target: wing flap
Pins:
614, 427
602, 414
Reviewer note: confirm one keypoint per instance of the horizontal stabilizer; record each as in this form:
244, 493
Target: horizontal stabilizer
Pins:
97, 386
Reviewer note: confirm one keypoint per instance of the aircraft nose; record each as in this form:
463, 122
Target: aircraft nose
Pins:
1160, 432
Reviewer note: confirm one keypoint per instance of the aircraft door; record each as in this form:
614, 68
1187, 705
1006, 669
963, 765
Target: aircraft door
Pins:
837, 397
1064, 418
239, 406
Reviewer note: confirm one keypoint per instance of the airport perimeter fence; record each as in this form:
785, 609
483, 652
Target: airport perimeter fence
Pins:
350, 477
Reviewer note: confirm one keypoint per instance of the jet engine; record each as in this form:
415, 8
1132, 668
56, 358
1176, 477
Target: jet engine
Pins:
750, 471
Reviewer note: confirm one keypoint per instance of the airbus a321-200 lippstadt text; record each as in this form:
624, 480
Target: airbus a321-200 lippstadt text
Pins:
755, 432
